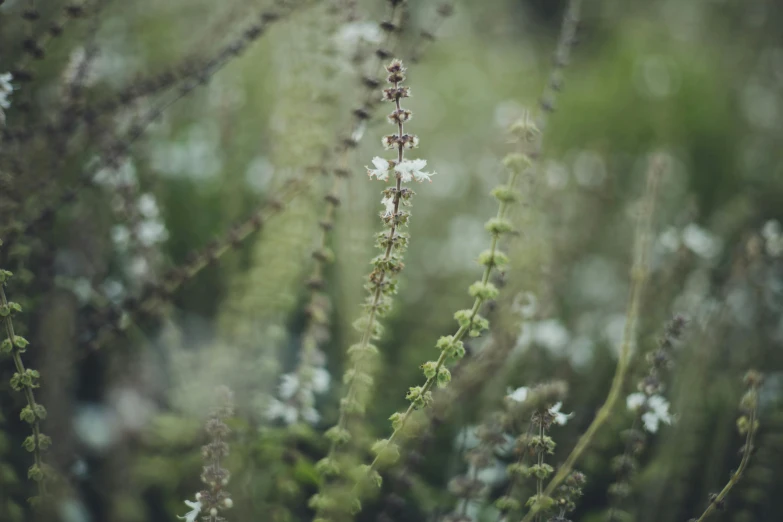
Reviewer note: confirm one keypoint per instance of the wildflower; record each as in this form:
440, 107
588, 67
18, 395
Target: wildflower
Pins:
5, 90
521, 394
411, 169
657, 410
381, 170
518, 395
560, 418
771, 229
773, 238
700, 241
310, 415
389, 204
635, 401
288, 386
280, 410
195, 510
148, 206
5, 83
320, 380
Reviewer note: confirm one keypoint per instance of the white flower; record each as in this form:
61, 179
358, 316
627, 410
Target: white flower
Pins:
311, 415
148, 206
289, 385
700, 241
152, 232
518, 395
280, 410
551, 334
670, 239
560, 418
771, 229
389, 204
411, 169
321, 380
349, 36
193, 513
657, 410
381, 170
5, 82
120, 235
5, 90
635, 401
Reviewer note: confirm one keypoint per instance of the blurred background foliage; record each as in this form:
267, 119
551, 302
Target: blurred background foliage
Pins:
698, 80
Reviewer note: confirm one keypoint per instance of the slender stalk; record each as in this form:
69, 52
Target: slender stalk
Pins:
718, 499
381, 284
638, 280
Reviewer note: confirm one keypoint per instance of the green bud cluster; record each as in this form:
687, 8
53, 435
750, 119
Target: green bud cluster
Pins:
24, 380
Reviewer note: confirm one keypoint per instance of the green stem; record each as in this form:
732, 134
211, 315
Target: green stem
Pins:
743, 463
638, 279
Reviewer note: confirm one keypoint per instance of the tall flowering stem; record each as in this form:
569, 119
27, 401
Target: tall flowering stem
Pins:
381, 285
318, 308
470, 322
214, 500
639, 273
24, 380
541, 405
747, 425
650, 408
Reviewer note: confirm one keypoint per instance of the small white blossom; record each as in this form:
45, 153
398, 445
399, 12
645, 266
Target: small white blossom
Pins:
349, 37
389, 204
560, 418
381, 170
152, 232
700, 241
518, 395
551, 334
288, 386
635, 401
670, 239
320, 380
5, 90
5, 82
521, 394
773, 238
120, 235
310, 415
771, 229
148, 206
657, 410
280, 410
411, 169
193, 513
